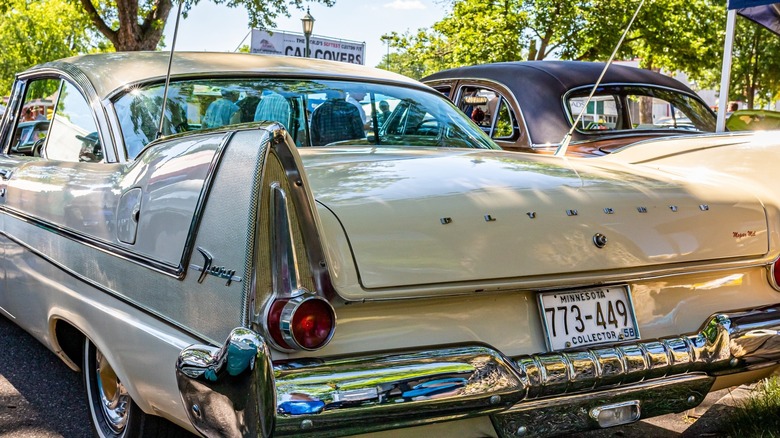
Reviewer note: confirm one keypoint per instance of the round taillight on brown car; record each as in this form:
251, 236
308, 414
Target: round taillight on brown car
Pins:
306, 322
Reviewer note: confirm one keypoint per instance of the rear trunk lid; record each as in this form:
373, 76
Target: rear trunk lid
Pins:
417, 217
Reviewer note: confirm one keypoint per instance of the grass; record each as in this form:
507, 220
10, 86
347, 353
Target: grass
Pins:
758, 416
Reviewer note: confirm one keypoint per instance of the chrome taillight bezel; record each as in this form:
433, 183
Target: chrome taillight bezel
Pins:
279, 322
772, 273
288, 315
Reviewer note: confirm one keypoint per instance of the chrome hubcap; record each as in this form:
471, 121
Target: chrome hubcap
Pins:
114, 399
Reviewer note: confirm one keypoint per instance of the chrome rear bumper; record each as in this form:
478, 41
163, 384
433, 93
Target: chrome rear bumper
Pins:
237, 391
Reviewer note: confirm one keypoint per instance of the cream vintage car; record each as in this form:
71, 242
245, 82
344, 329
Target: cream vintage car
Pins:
308, 248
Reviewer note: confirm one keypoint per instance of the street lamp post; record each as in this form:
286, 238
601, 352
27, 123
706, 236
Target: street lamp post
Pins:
308, 25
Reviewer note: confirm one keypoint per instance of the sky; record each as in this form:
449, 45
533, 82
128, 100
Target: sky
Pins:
209, 27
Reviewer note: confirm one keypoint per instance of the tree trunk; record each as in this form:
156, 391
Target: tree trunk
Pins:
646, 102
135, 32
543, 46
532, 50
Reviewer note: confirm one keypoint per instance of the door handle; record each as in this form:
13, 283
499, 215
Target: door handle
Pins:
5, 173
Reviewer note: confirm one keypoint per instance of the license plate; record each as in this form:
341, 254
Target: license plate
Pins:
585, 317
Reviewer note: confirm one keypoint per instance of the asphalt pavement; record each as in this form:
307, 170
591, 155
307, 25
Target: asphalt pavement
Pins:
41, 397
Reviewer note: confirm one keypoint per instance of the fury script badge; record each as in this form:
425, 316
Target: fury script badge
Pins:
217, 271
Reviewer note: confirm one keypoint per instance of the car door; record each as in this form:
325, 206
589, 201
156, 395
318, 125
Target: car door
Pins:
59, 188
7, 131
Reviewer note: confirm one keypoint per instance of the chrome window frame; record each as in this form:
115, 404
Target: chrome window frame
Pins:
76, 78
524, 137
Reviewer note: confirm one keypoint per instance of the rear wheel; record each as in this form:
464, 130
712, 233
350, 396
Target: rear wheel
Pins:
113, 412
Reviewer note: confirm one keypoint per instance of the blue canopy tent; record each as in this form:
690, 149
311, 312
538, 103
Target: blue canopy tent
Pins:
763, 12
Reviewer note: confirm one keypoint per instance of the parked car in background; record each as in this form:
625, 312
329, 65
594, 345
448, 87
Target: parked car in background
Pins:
258, 269
753, 120
27, 135
530, 106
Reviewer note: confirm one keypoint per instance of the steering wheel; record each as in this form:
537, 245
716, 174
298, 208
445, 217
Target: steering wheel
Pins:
38, 147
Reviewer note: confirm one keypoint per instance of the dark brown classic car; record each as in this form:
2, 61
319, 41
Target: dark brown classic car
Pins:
530, 106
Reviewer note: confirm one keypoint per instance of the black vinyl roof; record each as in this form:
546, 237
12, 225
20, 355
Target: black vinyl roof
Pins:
539, 87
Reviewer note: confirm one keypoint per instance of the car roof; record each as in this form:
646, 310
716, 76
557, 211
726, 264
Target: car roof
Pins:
109, 72
543, 84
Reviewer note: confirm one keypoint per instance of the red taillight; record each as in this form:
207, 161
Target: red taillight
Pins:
775, 273
274, 323
305, 322
312, 323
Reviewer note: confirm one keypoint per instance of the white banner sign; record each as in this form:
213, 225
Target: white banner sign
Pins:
294, 44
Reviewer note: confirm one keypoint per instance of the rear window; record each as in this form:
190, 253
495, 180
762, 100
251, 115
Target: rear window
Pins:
314, 112
631, 107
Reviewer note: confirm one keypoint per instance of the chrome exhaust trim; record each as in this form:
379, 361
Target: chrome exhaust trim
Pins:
340, 396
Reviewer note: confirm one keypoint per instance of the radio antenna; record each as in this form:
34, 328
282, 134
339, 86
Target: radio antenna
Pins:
168, 74
561, 151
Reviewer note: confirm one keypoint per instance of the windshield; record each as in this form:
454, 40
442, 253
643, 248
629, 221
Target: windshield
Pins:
638, 107
314, 112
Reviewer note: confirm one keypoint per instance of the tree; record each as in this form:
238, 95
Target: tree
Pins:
34, 32
479, 32
755, 71
674, 35
138, 24
420, 54
668, 35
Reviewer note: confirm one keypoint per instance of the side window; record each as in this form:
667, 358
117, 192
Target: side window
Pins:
444, 90
490, 111
624, 107
649, 112
505, 125
601, 113
33, 122
73, 134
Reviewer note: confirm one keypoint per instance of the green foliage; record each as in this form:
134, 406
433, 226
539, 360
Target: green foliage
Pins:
554, 27
476, 32
755, 71
423, 53
675, 35
757, 415
679, 35
34, 32
42, 89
